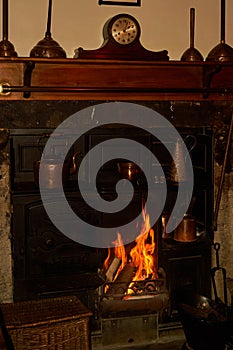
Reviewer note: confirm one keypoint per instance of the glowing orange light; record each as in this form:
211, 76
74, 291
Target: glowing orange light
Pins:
120, 253
141, 256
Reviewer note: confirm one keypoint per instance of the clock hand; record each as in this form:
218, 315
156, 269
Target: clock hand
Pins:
126, 26
129, 25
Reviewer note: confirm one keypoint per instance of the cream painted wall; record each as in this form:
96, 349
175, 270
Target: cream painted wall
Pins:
78, 23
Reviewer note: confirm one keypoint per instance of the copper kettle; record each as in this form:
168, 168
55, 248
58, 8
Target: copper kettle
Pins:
50, 169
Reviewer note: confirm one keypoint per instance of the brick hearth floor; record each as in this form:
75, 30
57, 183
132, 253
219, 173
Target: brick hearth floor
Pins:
171, 340
167, 343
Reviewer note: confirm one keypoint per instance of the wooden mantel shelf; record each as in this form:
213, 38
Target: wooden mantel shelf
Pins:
97, 79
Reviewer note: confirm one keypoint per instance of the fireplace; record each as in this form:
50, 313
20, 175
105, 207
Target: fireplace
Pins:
47, 263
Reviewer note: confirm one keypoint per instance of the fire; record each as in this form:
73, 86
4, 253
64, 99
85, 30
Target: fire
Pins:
141, 256
120, 253
107, 260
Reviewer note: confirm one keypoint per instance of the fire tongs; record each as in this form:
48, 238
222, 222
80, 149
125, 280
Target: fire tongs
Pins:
224, 274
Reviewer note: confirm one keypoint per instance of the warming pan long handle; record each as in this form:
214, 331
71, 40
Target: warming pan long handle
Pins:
219, 193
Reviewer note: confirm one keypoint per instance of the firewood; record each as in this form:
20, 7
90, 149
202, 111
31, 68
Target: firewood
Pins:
112, 270
120, 285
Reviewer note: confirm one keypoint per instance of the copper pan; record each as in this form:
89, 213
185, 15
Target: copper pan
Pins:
6, 47
222, 52
129, 170
192, 54
186, 230
48, 47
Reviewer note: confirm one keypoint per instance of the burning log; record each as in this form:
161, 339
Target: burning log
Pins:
112, 270
120, 285
127, 272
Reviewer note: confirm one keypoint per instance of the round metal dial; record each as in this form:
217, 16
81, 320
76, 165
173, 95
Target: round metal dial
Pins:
125, 30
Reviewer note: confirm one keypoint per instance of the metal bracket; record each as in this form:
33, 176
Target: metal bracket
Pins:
208, 73
29, 66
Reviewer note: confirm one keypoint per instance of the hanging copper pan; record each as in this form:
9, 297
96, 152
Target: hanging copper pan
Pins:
48, 47
6, 47
222, 52
192, 54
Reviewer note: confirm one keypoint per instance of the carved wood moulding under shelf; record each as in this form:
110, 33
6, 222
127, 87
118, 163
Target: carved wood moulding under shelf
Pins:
79, 79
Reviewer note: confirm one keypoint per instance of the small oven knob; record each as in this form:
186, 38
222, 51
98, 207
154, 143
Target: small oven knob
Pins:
49, 243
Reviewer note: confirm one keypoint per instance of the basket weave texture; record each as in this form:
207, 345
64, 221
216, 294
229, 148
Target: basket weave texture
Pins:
51, 324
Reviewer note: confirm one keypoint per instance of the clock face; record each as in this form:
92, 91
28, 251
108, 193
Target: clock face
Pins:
124, 30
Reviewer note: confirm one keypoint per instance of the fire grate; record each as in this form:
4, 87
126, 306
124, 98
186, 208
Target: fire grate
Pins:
136, 298
140, 289
129, 312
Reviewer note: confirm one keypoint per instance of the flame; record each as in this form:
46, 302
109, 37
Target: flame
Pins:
141, 256
120, 253
107, 260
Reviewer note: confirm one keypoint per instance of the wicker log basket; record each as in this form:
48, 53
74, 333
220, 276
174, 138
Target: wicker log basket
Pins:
48, 324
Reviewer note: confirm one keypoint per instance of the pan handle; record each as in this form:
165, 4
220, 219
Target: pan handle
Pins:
219, 193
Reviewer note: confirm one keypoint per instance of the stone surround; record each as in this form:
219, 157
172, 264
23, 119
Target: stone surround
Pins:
6, 278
